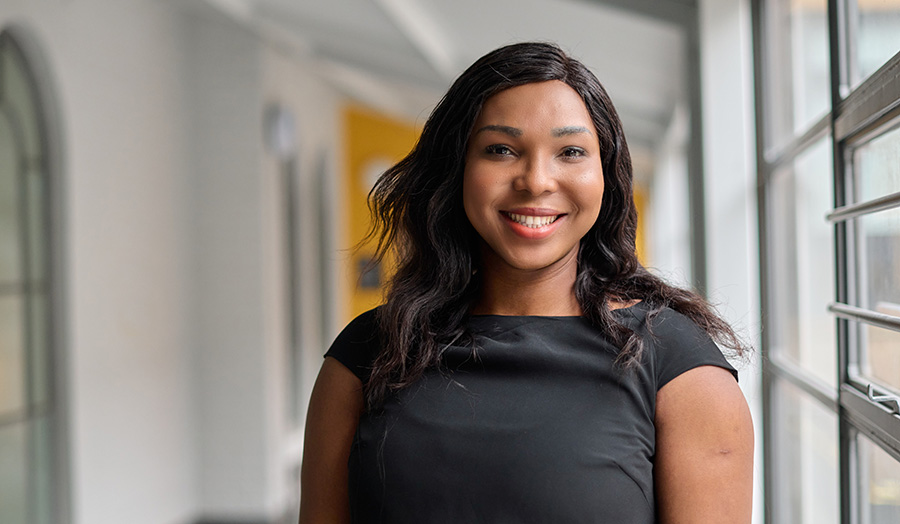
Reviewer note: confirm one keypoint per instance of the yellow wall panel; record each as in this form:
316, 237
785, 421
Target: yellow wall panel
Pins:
372, 143
640, 201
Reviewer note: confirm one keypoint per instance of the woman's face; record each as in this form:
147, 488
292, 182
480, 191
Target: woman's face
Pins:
533, 180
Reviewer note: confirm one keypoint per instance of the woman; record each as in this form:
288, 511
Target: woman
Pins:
524, 366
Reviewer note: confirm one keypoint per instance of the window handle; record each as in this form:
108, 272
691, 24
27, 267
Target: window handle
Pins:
890, 401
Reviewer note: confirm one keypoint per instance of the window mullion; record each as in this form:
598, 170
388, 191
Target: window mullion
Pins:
838, 60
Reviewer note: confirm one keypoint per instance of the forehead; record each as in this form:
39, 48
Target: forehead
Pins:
553, 102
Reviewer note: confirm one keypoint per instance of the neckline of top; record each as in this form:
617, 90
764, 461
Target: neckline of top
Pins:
554, 317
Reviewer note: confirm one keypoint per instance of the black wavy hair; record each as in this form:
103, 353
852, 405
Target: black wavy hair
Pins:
418, 215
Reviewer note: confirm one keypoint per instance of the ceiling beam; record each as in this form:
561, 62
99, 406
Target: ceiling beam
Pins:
423, 32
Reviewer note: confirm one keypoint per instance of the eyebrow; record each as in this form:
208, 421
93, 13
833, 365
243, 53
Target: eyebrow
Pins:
508, 130
516, 132
570, 130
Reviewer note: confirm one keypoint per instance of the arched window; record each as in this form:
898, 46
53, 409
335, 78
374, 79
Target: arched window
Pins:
29, 418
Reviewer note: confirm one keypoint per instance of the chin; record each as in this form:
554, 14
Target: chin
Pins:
533, 263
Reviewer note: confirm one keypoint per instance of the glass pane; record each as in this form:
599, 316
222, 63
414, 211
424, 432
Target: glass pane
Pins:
877, 173
799, 73
877, 166
801, 260
10, 250
880, 358
879, 482
13, 474
12, 355
876, 25
805, 458
878, 258
43, 505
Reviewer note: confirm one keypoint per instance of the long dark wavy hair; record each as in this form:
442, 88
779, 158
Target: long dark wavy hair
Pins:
418, 215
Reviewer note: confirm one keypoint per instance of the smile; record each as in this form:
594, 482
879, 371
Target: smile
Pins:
532, 221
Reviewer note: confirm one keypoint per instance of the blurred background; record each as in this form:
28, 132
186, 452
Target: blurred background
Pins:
181, 182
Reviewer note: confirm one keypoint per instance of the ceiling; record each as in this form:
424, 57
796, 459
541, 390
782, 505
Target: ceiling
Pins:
401, 55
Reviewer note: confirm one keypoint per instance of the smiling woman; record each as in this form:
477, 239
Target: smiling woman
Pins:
525, 367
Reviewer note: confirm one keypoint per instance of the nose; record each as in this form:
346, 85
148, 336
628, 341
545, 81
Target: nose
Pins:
535, 178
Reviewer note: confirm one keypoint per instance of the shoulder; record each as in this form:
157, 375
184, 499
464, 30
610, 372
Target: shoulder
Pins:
358, 344
676, 344
664, 327
704, 449
361, 328
674, 329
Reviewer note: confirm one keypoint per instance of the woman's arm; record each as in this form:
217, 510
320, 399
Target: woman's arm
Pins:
704, 449
334, 409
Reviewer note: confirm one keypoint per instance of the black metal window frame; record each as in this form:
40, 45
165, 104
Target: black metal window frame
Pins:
855, 115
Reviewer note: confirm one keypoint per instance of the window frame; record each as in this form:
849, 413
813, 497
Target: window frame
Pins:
855, 116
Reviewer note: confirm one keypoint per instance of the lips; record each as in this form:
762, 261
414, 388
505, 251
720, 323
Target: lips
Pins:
532, 223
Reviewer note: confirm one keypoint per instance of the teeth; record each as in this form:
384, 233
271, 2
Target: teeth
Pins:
532, 221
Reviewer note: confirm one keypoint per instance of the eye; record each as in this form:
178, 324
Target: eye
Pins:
498, 149
573, 152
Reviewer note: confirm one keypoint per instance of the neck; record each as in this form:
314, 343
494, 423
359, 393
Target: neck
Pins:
544, 292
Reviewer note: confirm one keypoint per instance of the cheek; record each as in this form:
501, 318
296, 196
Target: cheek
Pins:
591, 192
476, 190
471, 195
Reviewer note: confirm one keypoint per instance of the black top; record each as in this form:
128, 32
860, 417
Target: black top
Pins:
536, 426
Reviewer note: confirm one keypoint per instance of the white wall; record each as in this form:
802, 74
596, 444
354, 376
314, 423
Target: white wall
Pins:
117, 70
246, 445
229, 212
730, 185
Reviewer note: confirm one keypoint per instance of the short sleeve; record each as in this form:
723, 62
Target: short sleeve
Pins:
680, 345
357, 346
